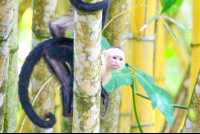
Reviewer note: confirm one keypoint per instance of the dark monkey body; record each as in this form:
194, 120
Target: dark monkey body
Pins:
56, 52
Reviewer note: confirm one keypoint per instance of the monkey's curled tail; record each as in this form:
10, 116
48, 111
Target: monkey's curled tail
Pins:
24, 77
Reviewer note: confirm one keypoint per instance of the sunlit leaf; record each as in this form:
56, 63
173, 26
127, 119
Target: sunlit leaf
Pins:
142, 73
174, 7
152, 19
20, 60
174, 21
170, 30
158, 96
167, 4
119, 79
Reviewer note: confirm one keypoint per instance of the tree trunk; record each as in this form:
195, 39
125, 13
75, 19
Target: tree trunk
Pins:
10, 121
87, 67
6, 16
43, 11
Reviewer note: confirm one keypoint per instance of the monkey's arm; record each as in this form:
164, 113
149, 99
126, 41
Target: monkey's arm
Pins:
105, 98
64, 76
56, 56
59, 26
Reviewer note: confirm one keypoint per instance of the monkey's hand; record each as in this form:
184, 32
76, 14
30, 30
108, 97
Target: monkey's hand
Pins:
105, 98
68, 114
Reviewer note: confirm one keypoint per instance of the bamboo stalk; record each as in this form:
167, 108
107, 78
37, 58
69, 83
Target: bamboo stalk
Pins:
143, 58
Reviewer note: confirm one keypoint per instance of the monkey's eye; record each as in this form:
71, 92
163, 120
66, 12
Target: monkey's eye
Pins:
120, 59
114, 57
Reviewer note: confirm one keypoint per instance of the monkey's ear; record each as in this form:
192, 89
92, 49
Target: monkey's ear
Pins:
104, 52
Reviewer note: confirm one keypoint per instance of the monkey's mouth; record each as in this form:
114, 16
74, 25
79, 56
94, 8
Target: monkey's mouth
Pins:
116, 66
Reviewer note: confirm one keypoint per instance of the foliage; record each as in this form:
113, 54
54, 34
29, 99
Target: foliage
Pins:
170, 6
158, 96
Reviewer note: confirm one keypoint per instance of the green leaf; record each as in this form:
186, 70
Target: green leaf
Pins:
142, 73
119, 79
158, 96
175, 22
170, 30
105, 43
152, 19
20, 60
167, 4
174, 7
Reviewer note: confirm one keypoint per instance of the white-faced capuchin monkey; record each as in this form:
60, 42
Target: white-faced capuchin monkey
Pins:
56, 52
112, 60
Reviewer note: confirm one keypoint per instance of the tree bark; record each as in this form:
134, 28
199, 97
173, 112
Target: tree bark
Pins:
43, 11
87, 76
10, 121
6, 16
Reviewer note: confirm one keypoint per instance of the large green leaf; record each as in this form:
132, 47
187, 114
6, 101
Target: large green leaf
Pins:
158, 96
142, 73
167, 4
170, 6
119, 79
105, 43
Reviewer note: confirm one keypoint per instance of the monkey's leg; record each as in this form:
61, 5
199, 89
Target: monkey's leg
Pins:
59, 26
63, 74
105, 98
56, 57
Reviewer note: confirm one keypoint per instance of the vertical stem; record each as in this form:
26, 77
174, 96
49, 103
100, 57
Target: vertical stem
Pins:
134, 104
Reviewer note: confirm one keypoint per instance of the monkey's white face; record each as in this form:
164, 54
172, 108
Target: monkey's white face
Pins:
116, 59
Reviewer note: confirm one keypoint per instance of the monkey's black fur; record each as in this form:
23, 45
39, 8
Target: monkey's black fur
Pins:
56, 52
93, 7
56, 49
